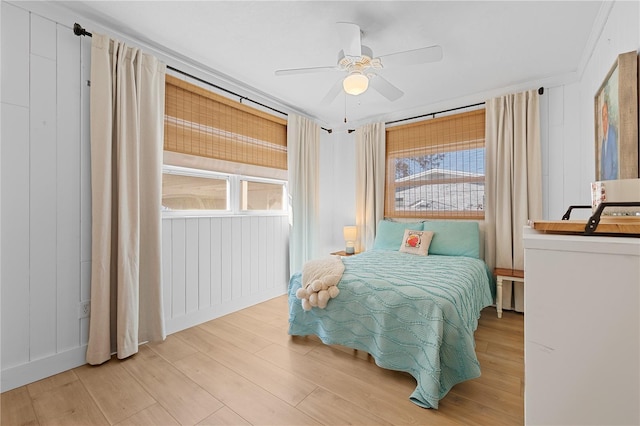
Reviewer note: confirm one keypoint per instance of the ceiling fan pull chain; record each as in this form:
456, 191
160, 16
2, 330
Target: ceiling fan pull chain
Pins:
345, 107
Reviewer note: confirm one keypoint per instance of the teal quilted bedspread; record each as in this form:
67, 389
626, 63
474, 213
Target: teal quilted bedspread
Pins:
411, 313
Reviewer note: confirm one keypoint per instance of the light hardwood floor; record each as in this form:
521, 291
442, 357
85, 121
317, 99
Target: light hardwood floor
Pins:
244, 369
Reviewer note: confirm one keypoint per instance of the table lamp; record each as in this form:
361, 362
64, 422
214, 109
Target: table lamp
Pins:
350, 233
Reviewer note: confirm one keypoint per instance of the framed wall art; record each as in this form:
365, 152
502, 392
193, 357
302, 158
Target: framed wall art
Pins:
616, 121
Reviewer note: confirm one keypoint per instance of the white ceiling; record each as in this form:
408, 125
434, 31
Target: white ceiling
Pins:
487, 46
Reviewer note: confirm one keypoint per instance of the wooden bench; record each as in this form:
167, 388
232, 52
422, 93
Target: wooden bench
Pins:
505, 274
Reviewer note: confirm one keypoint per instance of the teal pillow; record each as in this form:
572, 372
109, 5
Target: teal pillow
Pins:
454, 238
389, 234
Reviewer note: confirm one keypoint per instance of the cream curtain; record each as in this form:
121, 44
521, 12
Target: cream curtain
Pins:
127, 124
514, 182
370, 169
303, 153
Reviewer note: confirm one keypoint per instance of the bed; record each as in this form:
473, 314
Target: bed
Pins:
412, 312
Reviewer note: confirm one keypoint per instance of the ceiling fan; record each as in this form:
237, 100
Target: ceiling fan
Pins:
360, 65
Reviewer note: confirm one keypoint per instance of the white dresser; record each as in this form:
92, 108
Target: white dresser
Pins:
582, 330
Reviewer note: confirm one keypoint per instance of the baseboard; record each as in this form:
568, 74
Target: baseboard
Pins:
191, 319
33, 371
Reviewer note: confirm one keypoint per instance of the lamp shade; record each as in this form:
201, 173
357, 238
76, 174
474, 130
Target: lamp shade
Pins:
355, 83
349, 233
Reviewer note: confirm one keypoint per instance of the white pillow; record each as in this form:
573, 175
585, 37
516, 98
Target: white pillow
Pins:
416, 242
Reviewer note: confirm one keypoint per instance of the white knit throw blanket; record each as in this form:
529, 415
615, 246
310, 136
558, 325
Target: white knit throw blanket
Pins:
320, 278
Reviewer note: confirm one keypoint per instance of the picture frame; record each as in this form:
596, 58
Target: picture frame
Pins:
616, 121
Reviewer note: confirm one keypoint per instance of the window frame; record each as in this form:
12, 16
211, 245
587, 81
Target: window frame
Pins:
284, 200
234, 188
199, 173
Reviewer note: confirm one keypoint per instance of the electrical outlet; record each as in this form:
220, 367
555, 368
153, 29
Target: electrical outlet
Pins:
84, 309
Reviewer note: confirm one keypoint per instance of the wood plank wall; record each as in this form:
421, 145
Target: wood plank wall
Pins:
43, 195
211, 266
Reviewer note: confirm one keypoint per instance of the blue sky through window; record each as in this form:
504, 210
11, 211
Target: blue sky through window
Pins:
468, 160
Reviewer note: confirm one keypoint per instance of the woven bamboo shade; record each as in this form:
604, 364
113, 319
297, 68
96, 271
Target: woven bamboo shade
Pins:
201, 123
464, 130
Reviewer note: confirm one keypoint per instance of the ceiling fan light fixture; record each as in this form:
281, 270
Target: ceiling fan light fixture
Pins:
355, 83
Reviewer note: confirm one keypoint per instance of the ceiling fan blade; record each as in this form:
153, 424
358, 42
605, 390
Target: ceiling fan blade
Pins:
349, 34
385, 88
412, 57
295, 71
333, 93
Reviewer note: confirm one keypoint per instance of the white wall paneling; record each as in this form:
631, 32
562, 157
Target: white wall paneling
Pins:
272, 235
42, 203
43, 40
178, 288
573, 188
562, 151
245, 243
192, 244
225, 256
85, 183
68, 157
41, 198
204, 263
15, 56
255, 249
262, 261
15, 235
236, 272
555, 159
167, 267
216, 261
215, 267
544, 151
15, 188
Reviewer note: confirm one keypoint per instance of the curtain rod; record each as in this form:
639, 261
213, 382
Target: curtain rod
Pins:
79, 31
433, 114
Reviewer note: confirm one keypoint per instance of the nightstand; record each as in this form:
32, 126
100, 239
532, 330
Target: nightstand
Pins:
505, 274
342, 253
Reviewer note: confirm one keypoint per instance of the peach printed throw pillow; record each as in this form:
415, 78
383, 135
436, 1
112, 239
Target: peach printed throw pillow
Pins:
416, 242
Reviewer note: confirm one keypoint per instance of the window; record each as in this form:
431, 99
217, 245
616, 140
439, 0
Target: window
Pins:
262, 195
435, 168
194, 190
220, 156
197, 192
